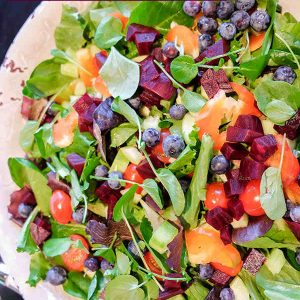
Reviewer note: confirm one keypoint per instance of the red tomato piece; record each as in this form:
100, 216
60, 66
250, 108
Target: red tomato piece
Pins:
61, 207
158, 149
152, 264
132, 175
215, 196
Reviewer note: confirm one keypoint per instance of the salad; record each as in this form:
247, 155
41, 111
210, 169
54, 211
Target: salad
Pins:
162, 147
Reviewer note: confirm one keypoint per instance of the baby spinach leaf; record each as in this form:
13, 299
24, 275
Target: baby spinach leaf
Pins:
150, 186
197, 189
96, 285
120, 74
184, 69
39, 267
65, 230
151, 287
183, 160
160, 15
279, 112
91, 162
69, 33
106, 253
271, 194
25, 172
56, 246
108, 32
124, 287
26, 139
119, 135
192, 101
123, 263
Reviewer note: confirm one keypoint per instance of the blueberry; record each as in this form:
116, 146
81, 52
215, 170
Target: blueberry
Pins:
24, 210
56, 275
170, 50
105, 265
151, 137
207, 25
225, 9
185, 184
209, 8
241, 19
101, 171
219, 164
260, 20
244, 4
298, 256
92, 264
114, 184
227, 31
191, 8
135, 103
206, 271
285, 73
227, 294
173, 145
77, 215
295, 214
177, 111
133, 250
205, 40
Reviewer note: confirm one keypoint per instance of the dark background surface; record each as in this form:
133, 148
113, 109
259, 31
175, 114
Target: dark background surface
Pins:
12, 16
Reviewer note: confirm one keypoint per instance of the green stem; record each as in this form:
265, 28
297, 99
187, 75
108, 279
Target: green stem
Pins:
214, 67
163, 277
140, 285
117, 179
282, 153
150, 162
113, 241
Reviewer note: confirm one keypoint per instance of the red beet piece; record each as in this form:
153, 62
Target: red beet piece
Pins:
263, 147
76, 162
220, 278
253, 261
234, 151
241, 135
100, 58
251, 169
218, 217
167, 294
172, 284
214, 293
233, 187
144, 42
144, 168
249, 122
235, 208
232, 174
291, 127
225, 234
26, 107
149, 98
134, 28
295, 227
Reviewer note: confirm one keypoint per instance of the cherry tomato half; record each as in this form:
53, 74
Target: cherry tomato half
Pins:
132, 175
152, 264
74, 258
215, 196
61, 207
158, 149
250, 198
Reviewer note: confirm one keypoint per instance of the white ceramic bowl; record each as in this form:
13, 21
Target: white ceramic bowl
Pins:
32, 45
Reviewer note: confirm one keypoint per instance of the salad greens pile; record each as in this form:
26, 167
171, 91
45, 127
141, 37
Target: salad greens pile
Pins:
162, 153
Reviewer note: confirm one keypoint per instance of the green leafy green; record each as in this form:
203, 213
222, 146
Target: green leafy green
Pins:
151, 287
196, 291
125, 7
91, 162
279, 111
120, 74
108, 32
150, 186
26, 138
123, 263
96, 285
184, 69
119, 135
160, 15
65, 230
56, 246
106, 253
197, 189
192, 101
25, 172
69, 33
256, 292
254, 67
61, 169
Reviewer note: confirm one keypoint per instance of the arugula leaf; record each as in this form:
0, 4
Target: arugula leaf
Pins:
91, 162
184, 69
97, 284
120, 74
26, 138
39, 267
65, 230
61, 169
106, 253
150, 186
56, 246
119, 135
25, 172
196, 291
69, 33
123, 263
46, 80
108, 32
192, 101
160, 15
197, 189
25, 242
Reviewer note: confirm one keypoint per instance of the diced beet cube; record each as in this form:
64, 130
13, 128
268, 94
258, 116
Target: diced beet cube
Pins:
235, 208
234, 151
144, 168
251, 169
158, 55
291, 127
134, 28
144, 42
218, 217
263, 147
225, 234
220, 278
76, 162
149, 98
233, 187
253, 261
249, 122
241, 135
100, 58
148, 69
232, 174
26, 107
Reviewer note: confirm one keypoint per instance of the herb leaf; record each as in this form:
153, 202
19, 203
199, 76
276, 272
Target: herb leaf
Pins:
26, 139
278, 111
106, 253
192, 101
150, 186
123, 263
119, 135
184, 69
120, 74
56, 246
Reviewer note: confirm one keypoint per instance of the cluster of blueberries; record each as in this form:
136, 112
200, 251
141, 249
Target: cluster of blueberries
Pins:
237, 14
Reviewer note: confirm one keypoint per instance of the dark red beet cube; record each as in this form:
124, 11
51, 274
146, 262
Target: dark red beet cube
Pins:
233, 187
291, 127
253, 261
235, 208
232, 174
149, 98
134, 28
218, 217
220, 278
144, 168
144, 42
241, 135
76, 162
263, 147
249, 122
225, 234
234, 151
251, 169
